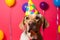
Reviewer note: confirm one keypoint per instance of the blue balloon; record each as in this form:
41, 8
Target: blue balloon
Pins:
57, 3
24, 6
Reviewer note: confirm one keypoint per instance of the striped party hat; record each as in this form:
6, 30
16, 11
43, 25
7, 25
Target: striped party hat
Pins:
30, 9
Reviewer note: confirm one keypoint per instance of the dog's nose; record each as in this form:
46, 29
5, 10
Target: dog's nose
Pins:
32, 23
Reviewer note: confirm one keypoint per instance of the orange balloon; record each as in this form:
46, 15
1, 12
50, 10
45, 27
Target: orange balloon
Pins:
1, 35
10, 3
59, 29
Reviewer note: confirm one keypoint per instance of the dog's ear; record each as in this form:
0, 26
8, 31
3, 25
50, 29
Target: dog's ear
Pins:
21, 25
45, 24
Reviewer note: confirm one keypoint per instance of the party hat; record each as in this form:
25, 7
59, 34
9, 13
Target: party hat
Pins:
30, 9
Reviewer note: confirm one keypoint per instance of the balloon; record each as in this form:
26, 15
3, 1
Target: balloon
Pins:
57, 3
1, 35
59, 28
10, 3
44, 6
24, 7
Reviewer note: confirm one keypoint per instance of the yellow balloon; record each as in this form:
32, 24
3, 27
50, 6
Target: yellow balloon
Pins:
10, 3
1, 35
59, 28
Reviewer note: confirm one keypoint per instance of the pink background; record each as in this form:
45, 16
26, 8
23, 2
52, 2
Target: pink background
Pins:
17, 16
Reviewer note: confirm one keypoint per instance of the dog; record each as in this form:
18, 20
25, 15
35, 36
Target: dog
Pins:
31, 25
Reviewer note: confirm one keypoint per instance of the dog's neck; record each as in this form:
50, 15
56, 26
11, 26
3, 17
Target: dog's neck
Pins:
39, 36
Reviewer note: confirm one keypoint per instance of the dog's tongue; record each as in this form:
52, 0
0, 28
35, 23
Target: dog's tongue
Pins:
33, 34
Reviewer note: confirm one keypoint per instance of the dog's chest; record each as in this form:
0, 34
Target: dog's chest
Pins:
24, 36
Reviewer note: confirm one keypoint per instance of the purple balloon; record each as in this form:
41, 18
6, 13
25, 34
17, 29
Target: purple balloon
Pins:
24, 6
44, 6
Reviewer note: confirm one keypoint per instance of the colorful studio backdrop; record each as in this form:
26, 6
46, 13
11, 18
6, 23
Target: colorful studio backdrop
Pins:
12, 13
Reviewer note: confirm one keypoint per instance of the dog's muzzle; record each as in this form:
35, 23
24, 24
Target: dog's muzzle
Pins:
32, 26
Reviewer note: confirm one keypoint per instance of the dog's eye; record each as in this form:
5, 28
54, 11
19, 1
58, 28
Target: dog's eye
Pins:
37, 17
27, 18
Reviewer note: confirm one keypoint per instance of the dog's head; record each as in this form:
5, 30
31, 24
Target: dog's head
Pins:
32, 24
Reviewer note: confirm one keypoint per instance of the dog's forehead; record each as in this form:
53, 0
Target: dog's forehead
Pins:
32, 16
